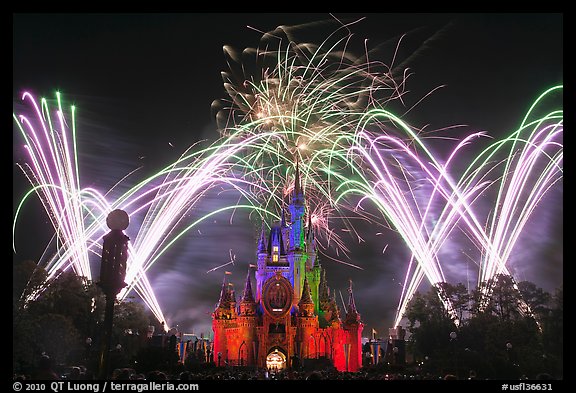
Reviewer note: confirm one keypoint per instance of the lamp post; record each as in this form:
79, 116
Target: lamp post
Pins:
395, 351
509, 353
453, 337
88, 350
112, 275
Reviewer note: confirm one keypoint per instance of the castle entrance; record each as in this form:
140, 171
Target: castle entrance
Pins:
276, 360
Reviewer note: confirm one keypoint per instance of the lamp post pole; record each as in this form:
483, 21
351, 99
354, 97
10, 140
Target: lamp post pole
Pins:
509, 352
112, 275
453, 337
88, 350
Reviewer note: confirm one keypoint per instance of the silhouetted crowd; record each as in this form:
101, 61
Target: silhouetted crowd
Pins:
46, 371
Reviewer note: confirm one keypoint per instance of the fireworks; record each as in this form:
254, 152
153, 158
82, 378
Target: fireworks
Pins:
328, 110
77, 214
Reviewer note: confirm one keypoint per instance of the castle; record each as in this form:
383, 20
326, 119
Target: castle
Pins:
291, 320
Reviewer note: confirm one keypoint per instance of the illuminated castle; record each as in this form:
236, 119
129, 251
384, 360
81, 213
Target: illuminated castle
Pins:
292, 318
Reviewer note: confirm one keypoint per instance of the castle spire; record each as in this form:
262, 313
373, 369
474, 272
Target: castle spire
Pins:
262, 239
231, 294
297, 214
323, 295
297, 187
283, 221
306, 297
334, 307
352, 315
247, 296
311, 241
223, 294
351, 303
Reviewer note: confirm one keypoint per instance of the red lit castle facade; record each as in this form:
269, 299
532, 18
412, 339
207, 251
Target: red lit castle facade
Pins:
290, 317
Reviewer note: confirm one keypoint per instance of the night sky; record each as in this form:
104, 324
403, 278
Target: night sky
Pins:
143, 85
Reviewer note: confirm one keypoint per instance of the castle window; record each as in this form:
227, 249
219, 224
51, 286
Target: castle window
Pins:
274, 253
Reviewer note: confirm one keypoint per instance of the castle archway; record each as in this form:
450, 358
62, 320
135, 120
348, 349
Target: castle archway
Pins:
276, 360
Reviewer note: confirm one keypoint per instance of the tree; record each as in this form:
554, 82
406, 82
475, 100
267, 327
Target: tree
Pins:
74, 297
553, 335
27, 279
498, 339
536, 298
130, 316
457, 295
429, 325
504, 298
57, 320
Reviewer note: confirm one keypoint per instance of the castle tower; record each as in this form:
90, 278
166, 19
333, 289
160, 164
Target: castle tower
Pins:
334, 318
312, 264
307, 325
311, 242
297, 255
323, 298
297, 210
353, 326
247, 324
262, 253
223, 318
272, 258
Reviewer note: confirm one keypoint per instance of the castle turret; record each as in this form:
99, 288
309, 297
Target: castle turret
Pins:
354, 326
334, 318
223, 317
307, 324
352, 314
247, 303
247, 324
312, 264
297, 255
323, 294
306, 305
297, 210
311, 242
262, 240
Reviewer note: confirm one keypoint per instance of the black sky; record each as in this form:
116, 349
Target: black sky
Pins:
141, 81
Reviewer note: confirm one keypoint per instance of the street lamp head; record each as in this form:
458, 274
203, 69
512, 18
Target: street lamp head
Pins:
453, 335
118, 219
508, 345
89, 341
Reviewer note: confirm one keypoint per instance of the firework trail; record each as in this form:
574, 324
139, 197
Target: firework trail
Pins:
394, 172
322, 107
288, 102
306, 97
531, 166
78, 215
294, 110
53, 171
